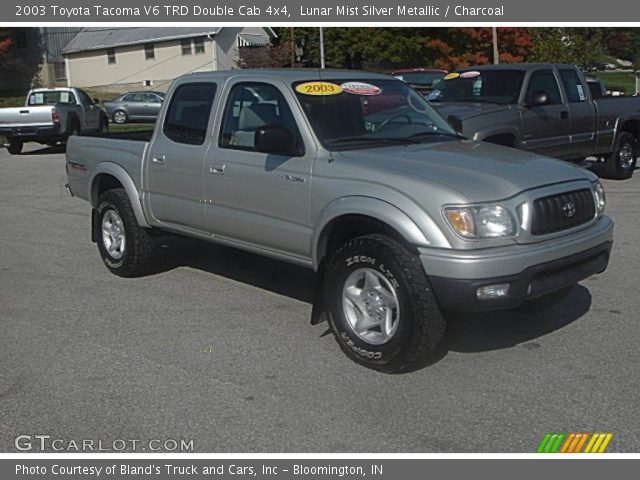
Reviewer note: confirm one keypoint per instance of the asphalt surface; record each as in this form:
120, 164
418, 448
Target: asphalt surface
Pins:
218, 348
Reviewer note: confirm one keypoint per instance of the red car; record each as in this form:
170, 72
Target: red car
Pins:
422, 79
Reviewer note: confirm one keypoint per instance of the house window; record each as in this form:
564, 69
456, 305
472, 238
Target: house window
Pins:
186, 46
59, 71
149, 52
198, 45
111, 56
21, 40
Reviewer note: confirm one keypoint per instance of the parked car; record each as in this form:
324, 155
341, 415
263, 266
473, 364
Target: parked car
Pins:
135, 107
51, 116
543, 108
421, 79
400, 217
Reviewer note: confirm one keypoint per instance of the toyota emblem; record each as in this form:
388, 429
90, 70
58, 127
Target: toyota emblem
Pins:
569, 209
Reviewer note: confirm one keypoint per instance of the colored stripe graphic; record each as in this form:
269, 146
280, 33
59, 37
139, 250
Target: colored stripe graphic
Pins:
573, 442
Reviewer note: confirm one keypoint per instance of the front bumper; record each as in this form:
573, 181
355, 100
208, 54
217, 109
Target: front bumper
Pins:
531, 270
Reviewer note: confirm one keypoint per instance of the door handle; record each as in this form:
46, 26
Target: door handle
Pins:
217, 169
159, 159
564, 115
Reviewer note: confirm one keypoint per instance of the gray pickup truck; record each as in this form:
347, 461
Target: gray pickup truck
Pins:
50, 116
356, 176
543, 108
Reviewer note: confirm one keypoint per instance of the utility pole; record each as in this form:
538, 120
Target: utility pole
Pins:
321, 48
496, 55
293, 48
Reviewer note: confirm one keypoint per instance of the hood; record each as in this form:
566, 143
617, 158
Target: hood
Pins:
480, 172
467, 110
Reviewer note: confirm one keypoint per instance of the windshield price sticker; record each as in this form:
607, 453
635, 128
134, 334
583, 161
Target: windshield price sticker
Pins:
451, 76
471, 74
318, 88
360, 88
580, 92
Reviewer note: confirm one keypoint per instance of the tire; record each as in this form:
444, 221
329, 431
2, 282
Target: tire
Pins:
74, 129
120, 117
621, 163
104, 124
379, 271
126, 248
15, 146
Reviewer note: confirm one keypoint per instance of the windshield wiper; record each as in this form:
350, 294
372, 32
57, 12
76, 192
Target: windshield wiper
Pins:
387, 140
436, 133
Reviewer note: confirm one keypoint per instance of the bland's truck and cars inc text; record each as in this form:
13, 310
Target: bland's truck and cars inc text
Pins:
356, 176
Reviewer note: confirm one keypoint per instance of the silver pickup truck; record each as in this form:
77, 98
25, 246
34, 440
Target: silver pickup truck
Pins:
543, 108
356, 176
50, 116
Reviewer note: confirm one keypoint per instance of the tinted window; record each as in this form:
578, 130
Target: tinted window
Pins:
84, 98
572, 85
251, 106
188, 114
544, 81
480, 86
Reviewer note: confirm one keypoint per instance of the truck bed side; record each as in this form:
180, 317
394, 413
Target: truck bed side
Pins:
95, 161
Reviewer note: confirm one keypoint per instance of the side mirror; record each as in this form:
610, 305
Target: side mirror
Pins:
274, 139
539, 97
96, 100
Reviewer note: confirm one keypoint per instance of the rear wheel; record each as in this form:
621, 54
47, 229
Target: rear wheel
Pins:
120, 117
621, 163
104, 124
125, 247
15, 146
380, 306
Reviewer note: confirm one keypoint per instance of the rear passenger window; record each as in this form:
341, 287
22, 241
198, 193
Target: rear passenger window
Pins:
249, 107
572, 85
544, 81
188, 113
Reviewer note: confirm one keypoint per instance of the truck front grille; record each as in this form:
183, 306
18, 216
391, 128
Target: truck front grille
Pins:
562, 211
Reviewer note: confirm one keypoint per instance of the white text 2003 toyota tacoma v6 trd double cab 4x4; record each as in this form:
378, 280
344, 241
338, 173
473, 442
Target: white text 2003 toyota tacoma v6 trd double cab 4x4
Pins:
356, 176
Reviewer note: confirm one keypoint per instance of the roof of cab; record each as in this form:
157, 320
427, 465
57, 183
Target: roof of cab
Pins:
290, 74
516, 66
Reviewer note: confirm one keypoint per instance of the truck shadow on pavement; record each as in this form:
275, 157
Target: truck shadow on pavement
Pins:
466, 333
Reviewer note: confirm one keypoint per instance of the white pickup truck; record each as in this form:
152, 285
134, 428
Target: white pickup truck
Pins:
51, 116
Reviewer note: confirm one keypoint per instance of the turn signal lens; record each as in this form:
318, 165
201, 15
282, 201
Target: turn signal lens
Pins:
601, 199
461, 220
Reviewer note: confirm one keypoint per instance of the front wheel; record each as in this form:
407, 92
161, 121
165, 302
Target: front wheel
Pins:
15, 147
125, 247
381, 308
621, 163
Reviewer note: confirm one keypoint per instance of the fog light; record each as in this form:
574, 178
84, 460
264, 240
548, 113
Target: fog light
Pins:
493, 291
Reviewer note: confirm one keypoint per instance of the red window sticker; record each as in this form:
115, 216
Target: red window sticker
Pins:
360, 88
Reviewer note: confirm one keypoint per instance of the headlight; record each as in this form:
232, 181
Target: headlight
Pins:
491, 221
601, 199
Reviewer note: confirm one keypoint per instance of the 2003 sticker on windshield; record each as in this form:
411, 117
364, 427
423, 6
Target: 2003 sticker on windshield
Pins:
318, 88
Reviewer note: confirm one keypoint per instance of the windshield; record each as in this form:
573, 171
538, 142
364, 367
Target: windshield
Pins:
52, 98
352, 114
420, 79
485, 86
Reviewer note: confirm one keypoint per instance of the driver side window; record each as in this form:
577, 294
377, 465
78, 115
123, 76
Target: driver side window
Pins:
544, 81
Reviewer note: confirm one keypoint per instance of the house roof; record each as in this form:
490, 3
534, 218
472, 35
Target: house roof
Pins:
100, 38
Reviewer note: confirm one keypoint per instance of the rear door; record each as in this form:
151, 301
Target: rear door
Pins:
581, 112
152, 105
175, 161
135, 104
545, 128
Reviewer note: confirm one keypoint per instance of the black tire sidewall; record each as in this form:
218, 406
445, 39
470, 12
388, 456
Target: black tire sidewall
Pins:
353, 257
15, 146
107, 203
620, 172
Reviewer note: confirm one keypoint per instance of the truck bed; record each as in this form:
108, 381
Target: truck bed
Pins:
134, 135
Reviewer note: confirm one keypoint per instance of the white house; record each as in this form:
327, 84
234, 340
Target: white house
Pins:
122, 59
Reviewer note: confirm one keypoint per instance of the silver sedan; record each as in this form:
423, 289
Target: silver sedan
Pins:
135, 107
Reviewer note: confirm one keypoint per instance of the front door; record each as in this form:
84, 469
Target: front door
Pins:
545, 128
256, 198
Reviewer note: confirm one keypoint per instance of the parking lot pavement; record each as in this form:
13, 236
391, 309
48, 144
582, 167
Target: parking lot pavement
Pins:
218, 348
